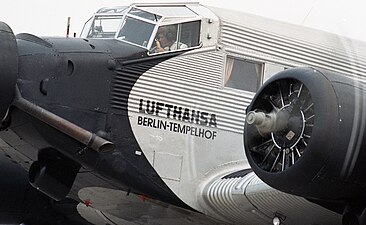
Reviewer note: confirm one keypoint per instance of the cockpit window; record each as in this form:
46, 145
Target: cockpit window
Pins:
144, 14
171, 11
136, 31
87, 27
154, 27
113, 10
176, 37
105, 23
104, 27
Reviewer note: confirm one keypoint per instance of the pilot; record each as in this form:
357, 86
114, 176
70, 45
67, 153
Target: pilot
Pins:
166, 39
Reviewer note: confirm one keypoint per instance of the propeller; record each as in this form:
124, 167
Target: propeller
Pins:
283, 122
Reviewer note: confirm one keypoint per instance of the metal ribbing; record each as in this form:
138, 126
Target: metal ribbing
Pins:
123, 81
344, 58
269, 200
192, 81
219, 195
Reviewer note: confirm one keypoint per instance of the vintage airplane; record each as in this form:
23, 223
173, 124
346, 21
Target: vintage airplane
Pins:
142, 121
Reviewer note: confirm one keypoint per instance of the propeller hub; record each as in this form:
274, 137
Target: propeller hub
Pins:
280, 125
290, 134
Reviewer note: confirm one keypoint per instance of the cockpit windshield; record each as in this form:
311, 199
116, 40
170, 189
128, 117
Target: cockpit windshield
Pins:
138, 27
145, 15
160, 28
170, 11
157, 28
105, 23
104, 26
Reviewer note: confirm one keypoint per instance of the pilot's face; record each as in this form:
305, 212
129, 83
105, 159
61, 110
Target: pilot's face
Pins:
163, 40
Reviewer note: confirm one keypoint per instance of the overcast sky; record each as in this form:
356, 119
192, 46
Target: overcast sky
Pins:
49, 17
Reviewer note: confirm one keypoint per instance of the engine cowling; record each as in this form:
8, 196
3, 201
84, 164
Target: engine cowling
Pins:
8, 68
305, 134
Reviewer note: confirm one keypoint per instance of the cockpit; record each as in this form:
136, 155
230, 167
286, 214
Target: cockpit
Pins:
104, 23
158, 28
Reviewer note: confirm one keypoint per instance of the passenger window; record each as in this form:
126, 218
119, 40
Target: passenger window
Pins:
176, 37
242, 75
272, 69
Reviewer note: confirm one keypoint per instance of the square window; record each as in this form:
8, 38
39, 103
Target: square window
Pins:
243, 75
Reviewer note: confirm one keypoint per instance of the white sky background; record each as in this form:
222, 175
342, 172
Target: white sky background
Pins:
49, 17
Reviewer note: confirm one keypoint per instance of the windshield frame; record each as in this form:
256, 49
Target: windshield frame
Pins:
103, 12
128, 15
162, 21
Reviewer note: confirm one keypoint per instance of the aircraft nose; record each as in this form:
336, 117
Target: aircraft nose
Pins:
8, 67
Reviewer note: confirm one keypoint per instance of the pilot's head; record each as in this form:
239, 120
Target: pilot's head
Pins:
166, 35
